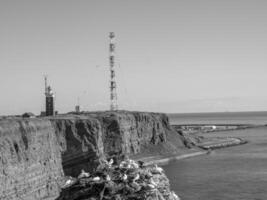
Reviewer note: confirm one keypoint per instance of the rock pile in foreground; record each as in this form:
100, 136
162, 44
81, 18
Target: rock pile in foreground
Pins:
125, 181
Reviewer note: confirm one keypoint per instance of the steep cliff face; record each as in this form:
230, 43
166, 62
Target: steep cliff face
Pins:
88, 138
80, 141
37, 153
131, 133
30, 162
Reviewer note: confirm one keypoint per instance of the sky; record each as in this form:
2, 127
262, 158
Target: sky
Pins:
172, 56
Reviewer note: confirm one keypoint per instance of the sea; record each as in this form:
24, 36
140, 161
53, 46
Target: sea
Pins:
257, 118
233, 173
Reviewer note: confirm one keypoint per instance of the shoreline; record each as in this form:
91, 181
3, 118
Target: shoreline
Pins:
164, 161
206, 150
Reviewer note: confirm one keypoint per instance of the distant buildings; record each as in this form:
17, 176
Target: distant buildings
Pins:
77, 109
28, 115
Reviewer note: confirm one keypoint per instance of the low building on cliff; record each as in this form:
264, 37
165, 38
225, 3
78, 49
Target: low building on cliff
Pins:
28, 115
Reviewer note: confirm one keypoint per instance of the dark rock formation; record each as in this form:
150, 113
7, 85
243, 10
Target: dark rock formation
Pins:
34, 151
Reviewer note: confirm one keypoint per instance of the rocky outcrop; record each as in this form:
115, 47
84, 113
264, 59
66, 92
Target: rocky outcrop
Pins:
30, 161
86, 139
134, 132
125, 181
37, 153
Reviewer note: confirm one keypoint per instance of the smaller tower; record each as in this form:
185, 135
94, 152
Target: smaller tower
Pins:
49, 100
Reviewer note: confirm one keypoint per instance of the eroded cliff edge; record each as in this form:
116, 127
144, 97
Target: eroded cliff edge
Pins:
36, 152
30, 160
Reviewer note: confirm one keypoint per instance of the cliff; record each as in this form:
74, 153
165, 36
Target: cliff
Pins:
80, 140
36, 153
88, 138
30, 162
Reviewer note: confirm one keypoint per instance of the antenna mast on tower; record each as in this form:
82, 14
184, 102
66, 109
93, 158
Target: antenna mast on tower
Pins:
45, 78
113, 93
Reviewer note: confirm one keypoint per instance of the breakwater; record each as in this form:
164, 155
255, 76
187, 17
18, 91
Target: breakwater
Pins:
226, 143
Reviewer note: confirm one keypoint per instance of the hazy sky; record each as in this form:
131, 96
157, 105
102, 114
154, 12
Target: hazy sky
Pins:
175, 56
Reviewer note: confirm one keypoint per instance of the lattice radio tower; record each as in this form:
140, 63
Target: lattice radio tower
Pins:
113, 86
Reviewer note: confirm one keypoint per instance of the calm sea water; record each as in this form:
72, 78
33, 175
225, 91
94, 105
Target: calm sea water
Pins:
220, 118
234, 173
